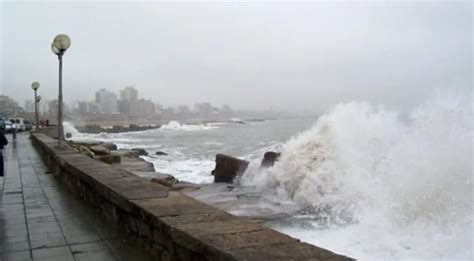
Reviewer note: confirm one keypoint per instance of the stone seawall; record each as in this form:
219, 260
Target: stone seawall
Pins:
168, 224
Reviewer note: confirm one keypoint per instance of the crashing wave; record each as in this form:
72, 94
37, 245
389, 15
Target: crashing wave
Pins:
385, 174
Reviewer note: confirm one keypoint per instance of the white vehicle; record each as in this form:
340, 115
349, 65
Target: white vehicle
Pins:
20, 123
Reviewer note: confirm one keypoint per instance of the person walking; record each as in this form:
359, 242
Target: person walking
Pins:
3, 142
13, 129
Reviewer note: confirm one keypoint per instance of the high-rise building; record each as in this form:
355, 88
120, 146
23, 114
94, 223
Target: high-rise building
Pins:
107, 101
29, 106
93, 107
82, 108
129, 93
145, 107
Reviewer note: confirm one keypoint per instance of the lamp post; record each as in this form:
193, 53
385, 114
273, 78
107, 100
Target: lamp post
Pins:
60, 44
38, 99
35, 86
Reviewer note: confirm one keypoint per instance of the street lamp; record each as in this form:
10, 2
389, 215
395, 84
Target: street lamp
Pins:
35, 86
38, 99
60, 44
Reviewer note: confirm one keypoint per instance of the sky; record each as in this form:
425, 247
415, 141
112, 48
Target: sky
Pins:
250, 55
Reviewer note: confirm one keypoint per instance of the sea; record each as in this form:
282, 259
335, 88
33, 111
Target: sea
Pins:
363, 180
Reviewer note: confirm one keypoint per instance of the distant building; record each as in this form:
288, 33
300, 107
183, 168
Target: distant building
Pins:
203, 109
129, 93
29, 106
107, 101
93, 107
145, 107
82, 108
124, 106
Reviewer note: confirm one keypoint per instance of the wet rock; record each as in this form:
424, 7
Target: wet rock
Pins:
126, 153
185, 186
109, 159
269, 159
134, 164
140, 151
99, 150
88, 143
164, 179
85, 150
161, 153
228, 167
109, 145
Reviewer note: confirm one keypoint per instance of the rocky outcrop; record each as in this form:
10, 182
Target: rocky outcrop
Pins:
269, 159
116, 128
99, 150
109, 145
228, 167
126, 153
140, 151
161, 153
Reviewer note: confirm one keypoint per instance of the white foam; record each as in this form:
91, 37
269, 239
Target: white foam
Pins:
389, 187
177, 126
190, 170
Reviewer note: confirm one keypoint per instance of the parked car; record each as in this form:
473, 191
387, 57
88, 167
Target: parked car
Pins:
20, 123
8, 126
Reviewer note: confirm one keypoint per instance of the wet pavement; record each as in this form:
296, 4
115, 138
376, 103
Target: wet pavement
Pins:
39, 220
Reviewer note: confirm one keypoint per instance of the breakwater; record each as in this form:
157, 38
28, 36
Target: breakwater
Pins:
167, 223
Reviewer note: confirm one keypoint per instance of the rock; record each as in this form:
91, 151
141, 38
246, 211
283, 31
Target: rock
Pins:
164, 179
109, 159
109, 145
88, 143
227, 168
85, 150
141, 152
269, 159
185, 186
135, 164
68, 135
126, 153
100, 150
161, 153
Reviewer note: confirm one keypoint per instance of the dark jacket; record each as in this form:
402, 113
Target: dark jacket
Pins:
3, 140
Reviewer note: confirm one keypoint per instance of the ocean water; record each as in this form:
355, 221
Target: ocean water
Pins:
361, 180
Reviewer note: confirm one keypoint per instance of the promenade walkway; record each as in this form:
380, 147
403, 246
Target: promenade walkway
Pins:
39, 220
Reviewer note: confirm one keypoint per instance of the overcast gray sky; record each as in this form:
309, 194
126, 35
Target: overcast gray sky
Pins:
290, 56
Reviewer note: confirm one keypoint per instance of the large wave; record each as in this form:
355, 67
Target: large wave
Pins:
387, 185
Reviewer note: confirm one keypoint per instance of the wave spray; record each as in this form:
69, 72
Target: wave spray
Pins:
374, 183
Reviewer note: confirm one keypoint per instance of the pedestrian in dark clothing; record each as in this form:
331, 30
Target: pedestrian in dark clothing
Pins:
47, 123
3, 142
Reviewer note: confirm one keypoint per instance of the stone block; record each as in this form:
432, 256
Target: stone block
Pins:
227, 168
100, 150
109, 159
